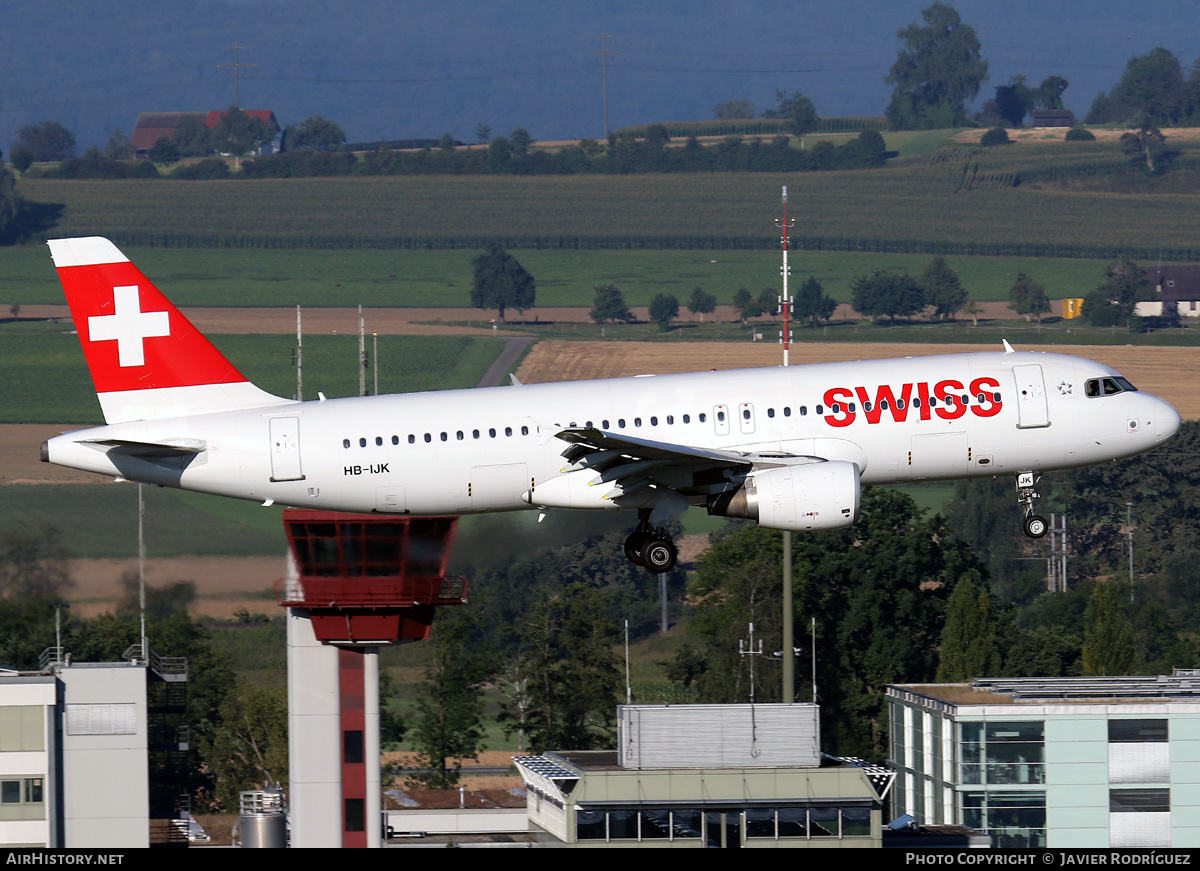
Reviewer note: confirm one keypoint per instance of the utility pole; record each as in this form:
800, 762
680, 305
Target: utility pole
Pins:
1129, 543
789, 656
362, 355
299, 358
236, 66
604, 54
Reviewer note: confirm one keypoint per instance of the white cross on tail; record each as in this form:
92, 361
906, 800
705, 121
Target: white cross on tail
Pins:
129, 326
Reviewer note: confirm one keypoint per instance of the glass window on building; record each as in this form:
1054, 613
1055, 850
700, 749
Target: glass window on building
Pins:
22, 798
1002, 753
1013, 818
1138, 751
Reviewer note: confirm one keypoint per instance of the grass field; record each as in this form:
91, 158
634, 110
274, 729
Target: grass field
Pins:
918, 198
43, 378
231, 278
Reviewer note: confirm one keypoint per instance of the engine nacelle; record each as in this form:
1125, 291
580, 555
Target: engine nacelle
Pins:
803, 497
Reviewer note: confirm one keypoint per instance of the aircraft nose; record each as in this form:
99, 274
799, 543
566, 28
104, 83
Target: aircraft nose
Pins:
1166, 421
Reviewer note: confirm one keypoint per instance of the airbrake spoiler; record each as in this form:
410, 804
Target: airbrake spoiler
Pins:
146, 359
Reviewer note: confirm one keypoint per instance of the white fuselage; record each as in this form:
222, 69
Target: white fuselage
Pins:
466, 451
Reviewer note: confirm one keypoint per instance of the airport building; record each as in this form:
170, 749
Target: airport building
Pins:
1052, 762
707, 776
93, 754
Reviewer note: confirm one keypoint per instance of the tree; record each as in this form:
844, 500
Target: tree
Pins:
1027, 297
937, 74
47, 141
22, 157
744, 304
483, 132
118, 147
1015, 100
501, 282
767, 301
797, 108
1049, 93
1108, 647
192, 136
11, 205
967, 648
449, 724
521, 142
249, 749
895, 294
1125, 285
446, 143
164, 151
567, 642
942, 288
701, 303
608, 305
238, 133
315, 134
811, 303
33, 562
1148, 146
734, 110
664, 308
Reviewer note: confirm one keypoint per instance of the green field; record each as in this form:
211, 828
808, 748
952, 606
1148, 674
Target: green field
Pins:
959, 198
100, 520
45, 379
230, 278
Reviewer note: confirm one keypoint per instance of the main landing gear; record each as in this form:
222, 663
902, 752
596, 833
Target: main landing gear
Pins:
649, 547
1035, 525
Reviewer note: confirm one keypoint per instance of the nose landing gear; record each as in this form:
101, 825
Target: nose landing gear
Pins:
1036, 526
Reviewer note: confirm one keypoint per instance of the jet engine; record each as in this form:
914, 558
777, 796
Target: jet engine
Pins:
801, 497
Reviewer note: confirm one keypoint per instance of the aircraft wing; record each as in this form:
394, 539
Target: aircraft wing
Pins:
600, 450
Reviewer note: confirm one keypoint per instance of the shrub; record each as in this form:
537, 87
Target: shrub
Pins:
1080, 134
209, 168
995, 136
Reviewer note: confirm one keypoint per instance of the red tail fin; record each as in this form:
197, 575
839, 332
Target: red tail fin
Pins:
146, 359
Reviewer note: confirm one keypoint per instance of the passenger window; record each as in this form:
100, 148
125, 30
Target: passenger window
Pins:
654, 421
687, 418
443, 437
745, 414
721, 416
637, 421
362, 443
803, 410
428, 438
395, 440
524, 430
670, 419
787, 412
412, 439
770, 412
820, 409
508, 430
621, 423
492, 433
604, 424
378, 441
459, 434
345, 443
474, 433
703, 417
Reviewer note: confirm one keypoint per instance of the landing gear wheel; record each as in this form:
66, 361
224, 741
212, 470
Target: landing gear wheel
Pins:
634, 545
659, 555
1036, 526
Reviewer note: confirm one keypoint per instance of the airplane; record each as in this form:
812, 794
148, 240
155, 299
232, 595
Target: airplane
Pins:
788, 447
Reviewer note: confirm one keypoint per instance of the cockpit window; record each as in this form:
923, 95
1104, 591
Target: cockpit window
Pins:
1107, 386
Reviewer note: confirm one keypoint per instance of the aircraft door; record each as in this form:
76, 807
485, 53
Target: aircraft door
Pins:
1032, 407
746, 417
721, 419
285, 449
